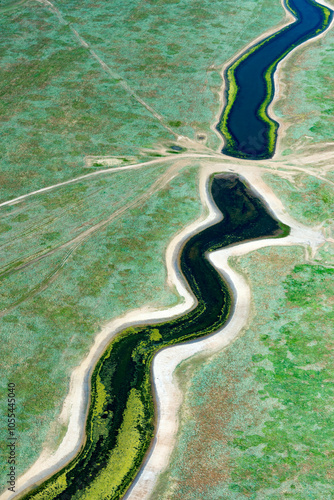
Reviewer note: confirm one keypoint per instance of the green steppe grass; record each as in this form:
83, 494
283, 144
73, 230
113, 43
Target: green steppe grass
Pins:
52, 308
257, 420
58, 105
307, 104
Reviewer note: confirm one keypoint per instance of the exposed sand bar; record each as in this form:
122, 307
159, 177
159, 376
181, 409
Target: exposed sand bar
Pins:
168, 395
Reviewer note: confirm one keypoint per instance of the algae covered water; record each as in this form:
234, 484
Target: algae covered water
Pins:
248, 131
120, 423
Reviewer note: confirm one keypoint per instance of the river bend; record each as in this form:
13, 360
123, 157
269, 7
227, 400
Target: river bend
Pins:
121, 382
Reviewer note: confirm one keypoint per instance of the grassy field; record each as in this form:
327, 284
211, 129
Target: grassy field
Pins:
307, 104
308, 199
65, 277
257, 418
59, 105
80, 255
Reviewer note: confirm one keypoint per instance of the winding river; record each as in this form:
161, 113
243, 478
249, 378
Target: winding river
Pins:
121, 383
248, 131
120, 422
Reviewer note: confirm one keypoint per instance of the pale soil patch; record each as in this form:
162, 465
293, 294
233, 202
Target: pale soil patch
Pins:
168, 395
278, 85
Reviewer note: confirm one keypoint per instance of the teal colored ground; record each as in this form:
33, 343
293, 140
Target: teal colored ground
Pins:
59, 105
307, 198
61, 280
234, 84
257, 420
62, 284
261, 408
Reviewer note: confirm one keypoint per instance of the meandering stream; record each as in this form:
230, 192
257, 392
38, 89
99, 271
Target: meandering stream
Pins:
120, 423
121, 385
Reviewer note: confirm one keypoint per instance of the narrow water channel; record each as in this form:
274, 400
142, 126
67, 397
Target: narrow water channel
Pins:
244, 124
121, 383
120, 423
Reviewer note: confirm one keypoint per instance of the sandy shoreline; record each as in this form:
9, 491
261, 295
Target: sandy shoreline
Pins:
75, 406
168, 395
278, 93
289, 18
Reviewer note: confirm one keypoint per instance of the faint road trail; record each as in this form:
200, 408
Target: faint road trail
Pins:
122, 82
104, 171
75, 242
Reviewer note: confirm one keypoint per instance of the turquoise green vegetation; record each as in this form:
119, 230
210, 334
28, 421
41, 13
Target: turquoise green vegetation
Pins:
306, 106
262, 407
64, 276
72, 258
119, 426
258, 418
245, 103
79, 256
59, 105
307, 198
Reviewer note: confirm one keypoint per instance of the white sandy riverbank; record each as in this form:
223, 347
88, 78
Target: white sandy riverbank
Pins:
168, 395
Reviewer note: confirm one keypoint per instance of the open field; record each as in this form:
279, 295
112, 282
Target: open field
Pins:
306, 103
66, 282
108, 85
60, 102
257, 418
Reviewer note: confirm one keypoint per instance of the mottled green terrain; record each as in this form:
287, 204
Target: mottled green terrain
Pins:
82, 254
306, 105
61, 283
58, 104
257, 421
258, 417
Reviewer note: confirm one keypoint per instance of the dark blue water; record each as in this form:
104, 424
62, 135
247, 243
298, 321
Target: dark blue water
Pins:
250, 133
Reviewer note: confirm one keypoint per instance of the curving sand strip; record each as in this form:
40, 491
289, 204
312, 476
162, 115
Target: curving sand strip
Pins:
167, 393
289, 18
279, 88
75, 406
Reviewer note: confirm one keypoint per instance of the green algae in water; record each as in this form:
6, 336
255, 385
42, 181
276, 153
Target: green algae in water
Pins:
121, 387
262, 409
